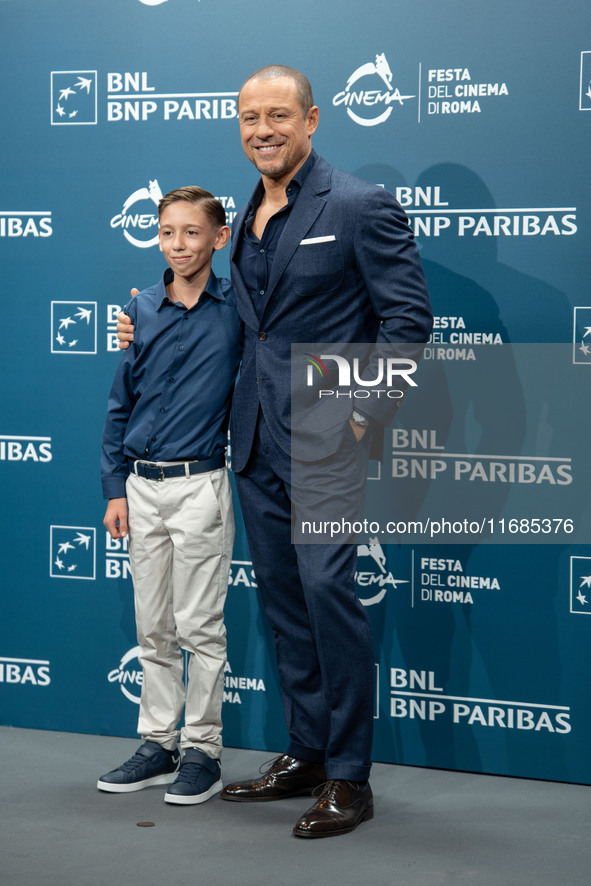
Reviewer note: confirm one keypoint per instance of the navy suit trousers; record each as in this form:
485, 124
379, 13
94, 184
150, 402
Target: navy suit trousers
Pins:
321, 632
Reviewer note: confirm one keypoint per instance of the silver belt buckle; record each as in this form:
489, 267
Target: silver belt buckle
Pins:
159, 468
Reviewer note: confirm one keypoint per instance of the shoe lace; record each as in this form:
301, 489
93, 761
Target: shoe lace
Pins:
328, 790
268, 764
137, 759
190, 771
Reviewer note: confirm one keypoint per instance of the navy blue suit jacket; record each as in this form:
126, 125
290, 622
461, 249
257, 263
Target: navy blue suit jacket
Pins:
346, 269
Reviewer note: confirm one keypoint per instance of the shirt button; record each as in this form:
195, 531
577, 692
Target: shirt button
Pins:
171, 380
262, 251
262, 292
262, 336
181, 347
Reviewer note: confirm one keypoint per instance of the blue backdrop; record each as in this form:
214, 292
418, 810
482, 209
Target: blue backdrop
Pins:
477, 116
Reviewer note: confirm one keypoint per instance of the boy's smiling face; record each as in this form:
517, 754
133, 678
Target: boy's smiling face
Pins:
188, 239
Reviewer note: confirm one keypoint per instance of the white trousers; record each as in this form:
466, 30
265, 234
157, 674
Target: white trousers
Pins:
181, 533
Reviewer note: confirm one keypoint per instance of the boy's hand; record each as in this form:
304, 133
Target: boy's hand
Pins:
116, 517
125, 329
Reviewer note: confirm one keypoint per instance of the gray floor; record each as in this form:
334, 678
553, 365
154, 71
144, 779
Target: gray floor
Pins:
431, 827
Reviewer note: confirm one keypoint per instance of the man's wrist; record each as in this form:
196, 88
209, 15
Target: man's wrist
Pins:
359, 420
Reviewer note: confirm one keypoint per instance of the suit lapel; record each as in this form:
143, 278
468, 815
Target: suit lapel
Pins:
307, 207
246, 308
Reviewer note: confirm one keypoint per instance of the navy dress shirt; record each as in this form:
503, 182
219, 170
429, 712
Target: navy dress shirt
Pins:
172, 392
255, 257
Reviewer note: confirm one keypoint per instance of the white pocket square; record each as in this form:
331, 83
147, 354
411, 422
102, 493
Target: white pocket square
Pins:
311, 240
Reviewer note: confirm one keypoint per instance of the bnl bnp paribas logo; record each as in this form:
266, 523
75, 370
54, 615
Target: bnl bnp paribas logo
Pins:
72, 552
73, 98
585, 83
582, 335
370, 94
73, 327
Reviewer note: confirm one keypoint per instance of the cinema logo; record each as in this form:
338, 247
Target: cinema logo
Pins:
138, 218
129, 675
388, 371
369, 96
414, 695
372, 577
131, 98
24, 671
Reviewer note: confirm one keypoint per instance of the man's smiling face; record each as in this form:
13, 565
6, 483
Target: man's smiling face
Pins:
276, 134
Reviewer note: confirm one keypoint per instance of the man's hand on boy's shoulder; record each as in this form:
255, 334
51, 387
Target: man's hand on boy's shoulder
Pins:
125, 327
116, 517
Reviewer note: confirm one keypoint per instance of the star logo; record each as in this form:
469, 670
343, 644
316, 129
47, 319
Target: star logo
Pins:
72, 552
582, 335
73, 98
580, 580
73, 327
585, 82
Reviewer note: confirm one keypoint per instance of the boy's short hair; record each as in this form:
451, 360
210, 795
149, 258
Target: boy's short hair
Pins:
207, 203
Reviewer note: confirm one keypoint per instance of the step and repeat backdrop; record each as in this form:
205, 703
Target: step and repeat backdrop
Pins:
478, 118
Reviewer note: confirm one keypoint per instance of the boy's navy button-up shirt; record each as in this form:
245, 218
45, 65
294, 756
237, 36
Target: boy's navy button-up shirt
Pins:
173, 388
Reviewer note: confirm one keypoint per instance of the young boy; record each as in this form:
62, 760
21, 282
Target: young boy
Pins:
163, 471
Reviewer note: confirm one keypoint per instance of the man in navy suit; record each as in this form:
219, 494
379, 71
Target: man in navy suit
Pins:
317, 256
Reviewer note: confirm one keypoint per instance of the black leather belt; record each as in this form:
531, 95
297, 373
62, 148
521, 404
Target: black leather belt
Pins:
151, 471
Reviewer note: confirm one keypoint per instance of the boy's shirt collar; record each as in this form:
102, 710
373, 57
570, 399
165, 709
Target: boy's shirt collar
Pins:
212, 289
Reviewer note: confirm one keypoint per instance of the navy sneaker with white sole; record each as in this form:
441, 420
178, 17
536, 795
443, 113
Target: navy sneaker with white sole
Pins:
199, 778
150, 765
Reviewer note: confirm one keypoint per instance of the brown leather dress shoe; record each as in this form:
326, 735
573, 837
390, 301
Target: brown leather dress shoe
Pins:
286, 777
340, 807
